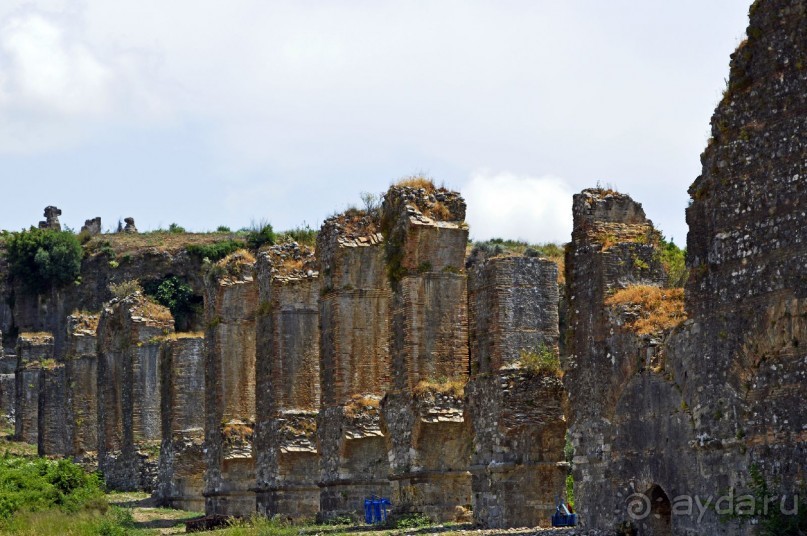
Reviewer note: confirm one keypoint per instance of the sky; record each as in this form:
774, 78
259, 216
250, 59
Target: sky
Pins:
206, 113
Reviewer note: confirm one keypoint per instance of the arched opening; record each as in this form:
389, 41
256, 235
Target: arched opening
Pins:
659, 522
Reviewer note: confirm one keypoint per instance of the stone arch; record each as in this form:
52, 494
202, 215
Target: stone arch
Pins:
659, 520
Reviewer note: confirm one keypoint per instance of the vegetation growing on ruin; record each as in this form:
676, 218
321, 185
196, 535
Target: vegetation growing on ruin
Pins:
216, 251
234, 265
454, 387
125, 288
177, 295
362, 404
541, 360
673, 260
499, 247
653, 309
303, 235
260, 234
44, 258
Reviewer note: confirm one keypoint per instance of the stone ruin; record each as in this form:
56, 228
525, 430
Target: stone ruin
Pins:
92, 227
51, 219
387, 361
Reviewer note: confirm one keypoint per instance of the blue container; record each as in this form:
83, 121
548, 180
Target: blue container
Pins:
563, 518
375, 510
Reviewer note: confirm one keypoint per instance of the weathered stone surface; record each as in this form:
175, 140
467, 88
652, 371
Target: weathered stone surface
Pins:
51, 219
423, 414
181, 466
129, 413
33, 349
354, 363
231, 306
288, 394
516, 415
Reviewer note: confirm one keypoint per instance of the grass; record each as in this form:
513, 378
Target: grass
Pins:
659, 309
125, 288
417, 181
541, 360
444, 386
362, 404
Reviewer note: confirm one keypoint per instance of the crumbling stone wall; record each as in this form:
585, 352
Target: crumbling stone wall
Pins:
515, 406
129, 415
33, 350
354, 362
287, 376
182, 380
231, 305
425, 241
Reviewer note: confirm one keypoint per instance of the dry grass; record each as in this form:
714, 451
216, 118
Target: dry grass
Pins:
152, 311
125, 288
36, 336
658, 309
184, 335
610, 235
417, 181
542, 360
235, 431
122, 243
360, 404
452, 387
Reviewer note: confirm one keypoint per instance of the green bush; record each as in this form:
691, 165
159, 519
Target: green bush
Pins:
673, 259
175, 294
260, 234
216, 251
412, 521
304, 235
176, 229
40, 484
44, 258
223, 229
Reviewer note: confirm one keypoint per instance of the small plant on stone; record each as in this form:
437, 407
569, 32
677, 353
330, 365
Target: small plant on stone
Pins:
125, 288
543, 360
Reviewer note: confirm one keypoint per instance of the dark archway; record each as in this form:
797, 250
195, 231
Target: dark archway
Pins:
659, 522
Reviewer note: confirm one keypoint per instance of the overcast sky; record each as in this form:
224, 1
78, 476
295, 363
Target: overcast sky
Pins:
209, 113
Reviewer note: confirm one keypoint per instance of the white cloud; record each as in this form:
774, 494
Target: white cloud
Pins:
504, 205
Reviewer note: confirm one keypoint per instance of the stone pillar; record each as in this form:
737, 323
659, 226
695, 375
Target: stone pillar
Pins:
53, 415
287, 376
231, 303
81, 369
354, 363
182, 369
33, 350
615, 373
129, 416
515, 397
423, 413
51, 219
8, 366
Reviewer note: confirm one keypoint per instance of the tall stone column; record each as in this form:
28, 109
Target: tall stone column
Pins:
515, 398
33, 351
129, 385
354, 362
81, 372
182, 371
231, 305
425, 241
287, 378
